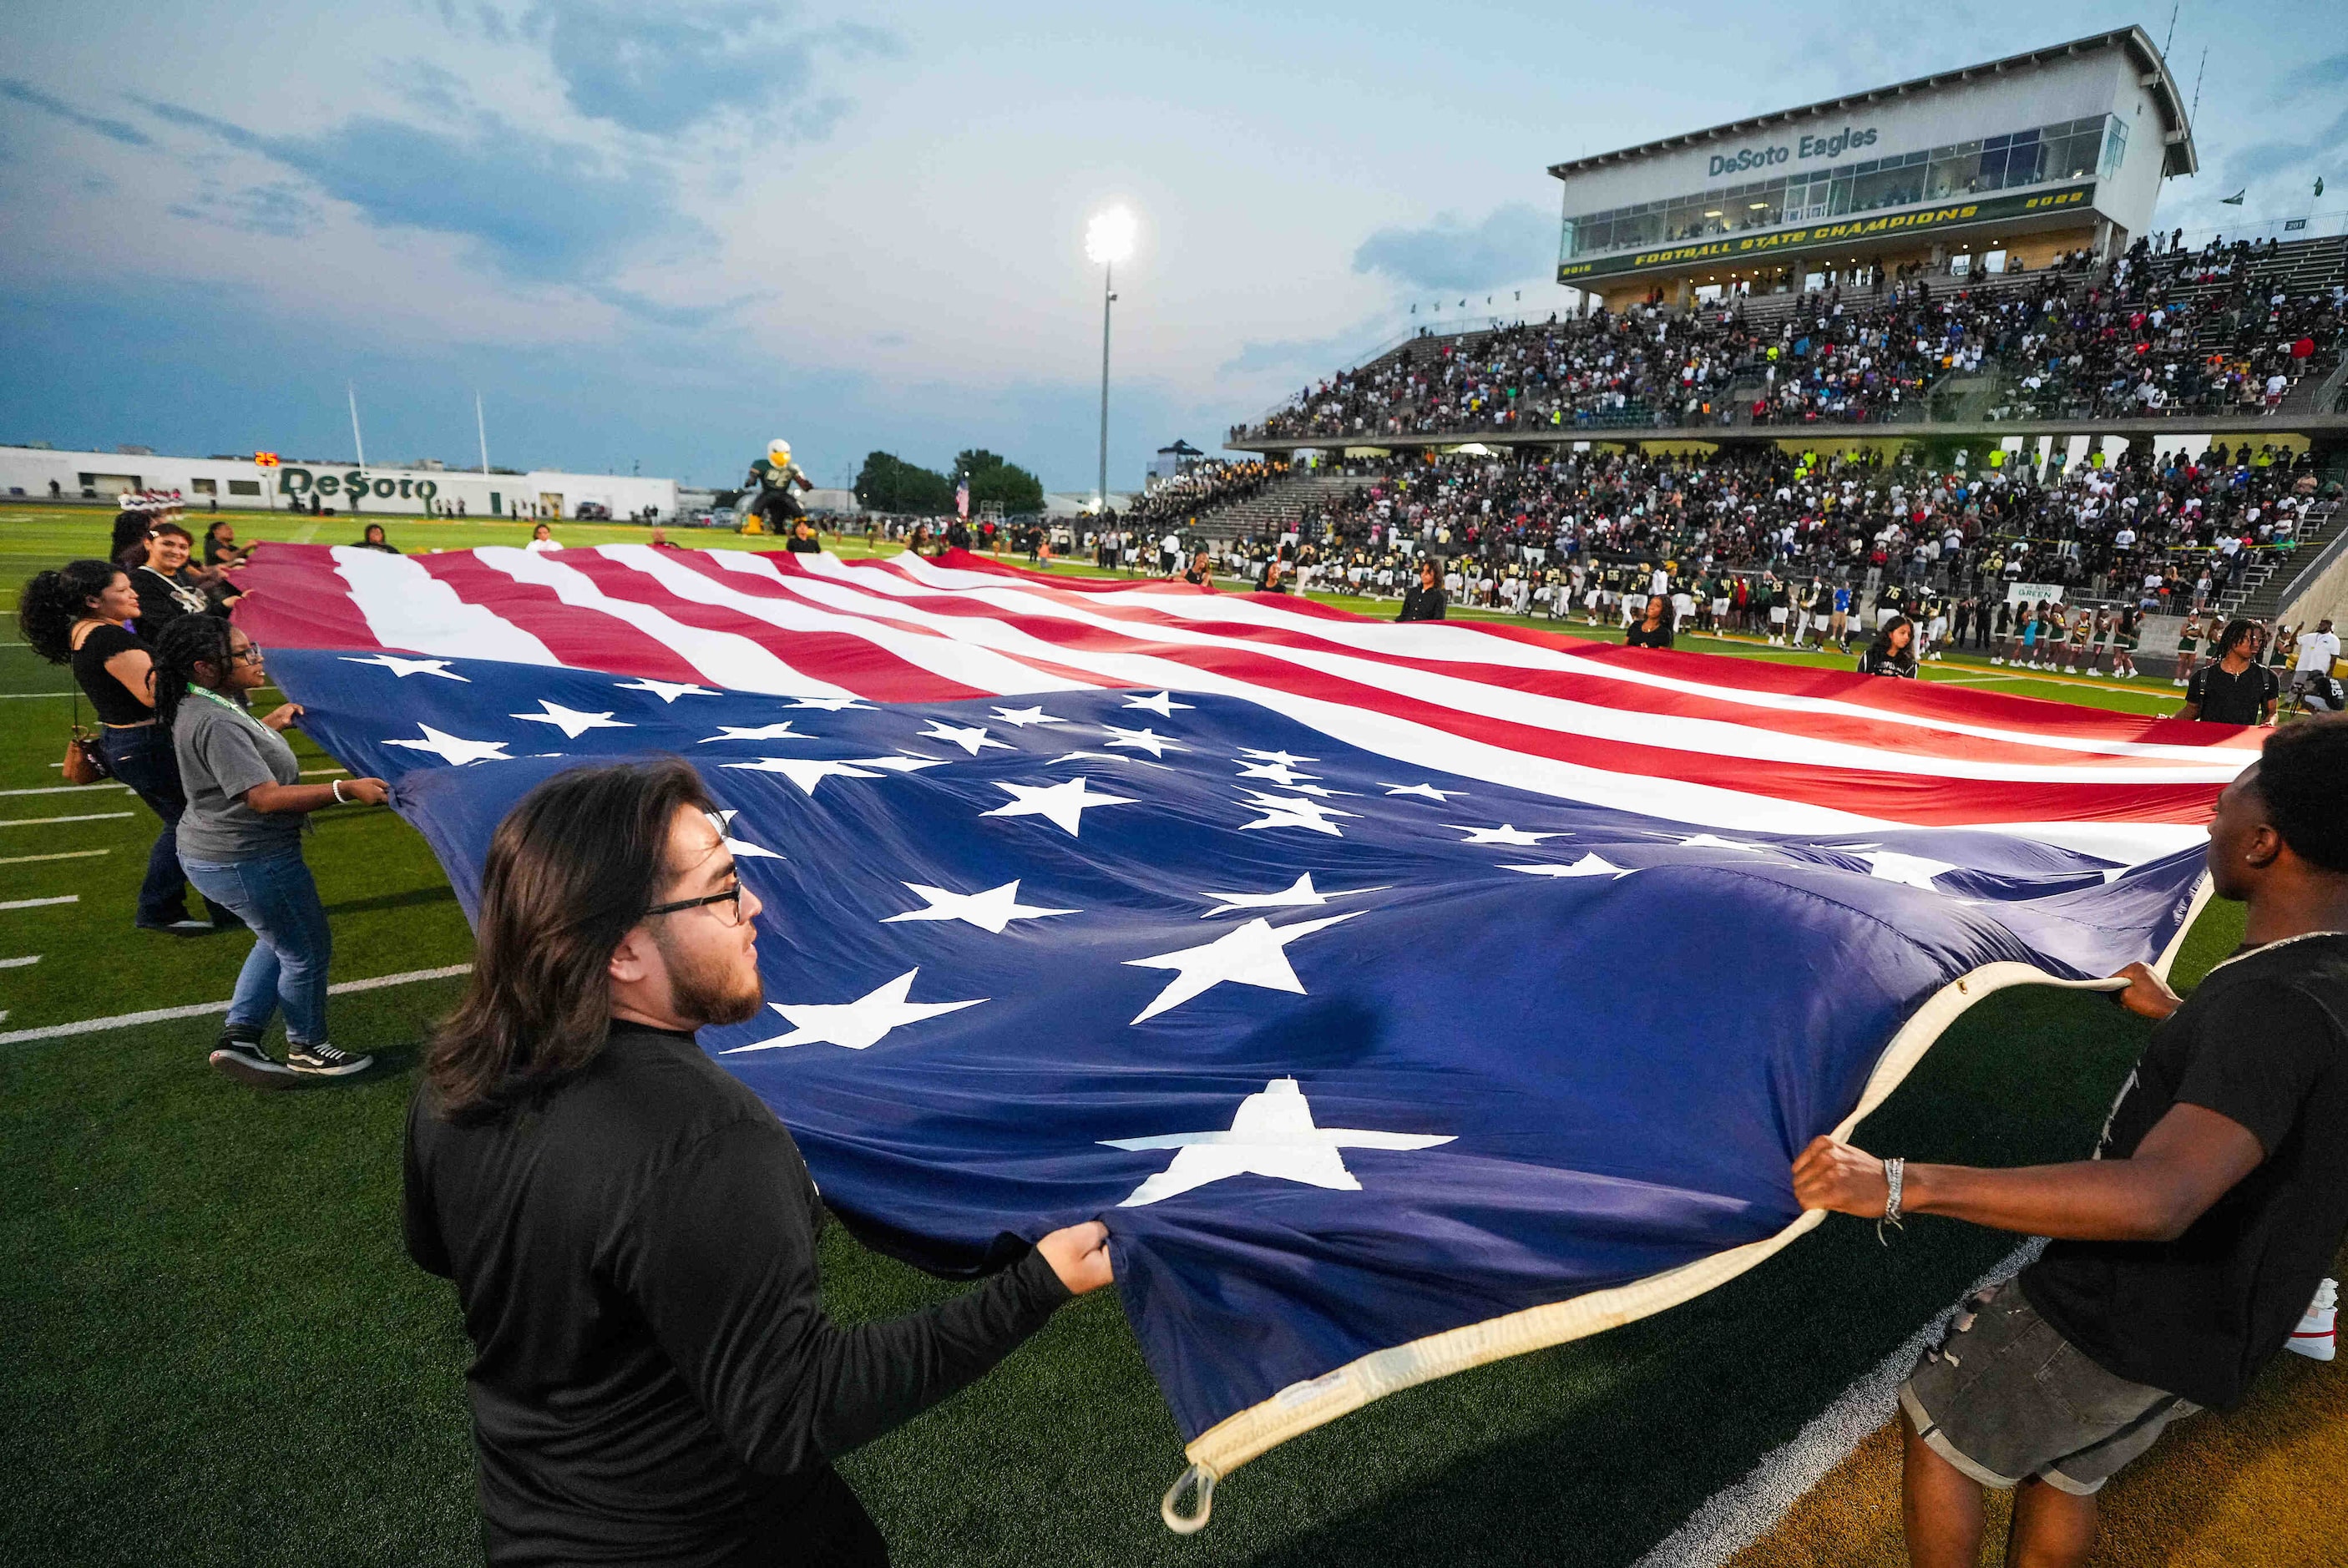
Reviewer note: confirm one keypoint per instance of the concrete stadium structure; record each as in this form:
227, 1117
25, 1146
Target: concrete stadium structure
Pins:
1995, 167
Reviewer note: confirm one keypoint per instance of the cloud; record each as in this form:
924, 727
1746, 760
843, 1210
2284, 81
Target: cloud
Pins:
2262, 159
663, 70
2329, 72
1316, 355
1513, 243
112, 129
538, 210
277, 208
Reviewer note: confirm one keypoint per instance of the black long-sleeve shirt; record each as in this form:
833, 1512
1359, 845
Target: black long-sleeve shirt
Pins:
654, 1379
1421, 604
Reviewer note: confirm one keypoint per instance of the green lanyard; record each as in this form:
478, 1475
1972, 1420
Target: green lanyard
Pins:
241, 713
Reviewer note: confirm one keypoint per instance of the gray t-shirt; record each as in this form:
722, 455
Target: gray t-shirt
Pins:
223, 752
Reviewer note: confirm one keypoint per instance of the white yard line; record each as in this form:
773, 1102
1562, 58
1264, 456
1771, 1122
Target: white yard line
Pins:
43, 821
64, 789
310, 772
19, 963
27, 696
1738, 1516
165, 1015
60, 855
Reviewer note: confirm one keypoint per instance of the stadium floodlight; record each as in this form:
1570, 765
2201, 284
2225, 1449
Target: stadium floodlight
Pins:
1108, 240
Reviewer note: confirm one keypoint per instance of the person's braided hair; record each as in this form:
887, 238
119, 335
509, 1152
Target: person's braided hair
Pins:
2303, 779
187, 641
53, 601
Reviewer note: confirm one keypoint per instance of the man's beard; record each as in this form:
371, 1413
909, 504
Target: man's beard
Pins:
706, 990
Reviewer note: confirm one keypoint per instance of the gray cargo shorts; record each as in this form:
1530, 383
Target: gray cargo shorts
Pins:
2004, 1399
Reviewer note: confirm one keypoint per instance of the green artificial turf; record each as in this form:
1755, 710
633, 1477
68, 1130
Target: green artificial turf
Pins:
215, 1352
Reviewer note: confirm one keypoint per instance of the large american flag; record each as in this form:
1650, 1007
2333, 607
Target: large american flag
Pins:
1402, 996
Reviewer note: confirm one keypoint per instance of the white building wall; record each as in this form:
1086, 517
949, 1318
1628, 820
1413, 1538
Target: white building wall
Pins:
28, 472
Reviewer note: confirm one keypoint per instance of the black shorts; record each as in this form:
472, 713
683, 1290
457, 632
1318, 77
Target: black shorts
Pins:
776, 506
2005, 1398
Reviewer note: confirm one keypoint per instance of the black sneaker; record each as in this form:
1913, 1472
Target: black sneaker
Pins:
246, 1062
325, 1061
186, 925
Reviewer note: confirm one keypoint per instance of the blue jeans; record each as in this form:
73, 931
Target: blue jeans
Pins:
142, 758
292, 943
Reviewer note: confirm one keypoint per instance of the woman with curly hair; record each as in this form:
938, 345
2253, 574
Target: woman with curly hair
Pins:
75, 616
240, 843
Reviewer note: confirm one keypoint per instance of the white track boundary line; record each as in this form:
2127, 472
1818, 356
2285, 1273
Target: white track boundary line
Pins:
60, 855
39, 903
1736, 1517
64, 789
44, 821
19, 963
198, 1010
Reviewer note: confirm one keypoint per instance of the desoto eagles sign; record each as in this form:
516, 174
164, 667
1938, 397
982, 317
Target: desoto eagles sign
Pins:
355, 483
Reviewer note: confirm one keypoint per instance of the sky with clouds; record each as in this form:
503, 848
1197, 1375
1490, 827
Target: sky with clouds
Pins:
655, 234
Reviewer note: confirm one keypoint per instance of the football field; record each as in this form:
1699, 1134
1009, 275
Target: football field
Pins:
215, 1350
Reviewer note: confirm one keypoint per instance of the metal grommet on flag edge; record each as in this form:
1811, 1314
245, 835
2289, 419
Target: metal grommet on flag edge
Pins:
1200, 1479
1232, 1442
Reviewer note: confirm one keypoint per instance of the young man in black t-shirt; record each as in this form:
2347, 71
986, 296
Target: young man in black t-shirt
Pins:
2233, 687
2189, 1247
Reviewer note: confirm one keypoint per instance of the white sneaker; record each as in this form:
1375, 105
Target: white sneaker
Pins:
2070, 669
2317, 1337
1997, 661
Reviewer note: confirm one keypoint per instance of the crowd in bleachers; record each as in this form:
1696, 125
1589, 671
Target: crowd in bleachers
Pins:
1202, 486
2167, 332
2166, 531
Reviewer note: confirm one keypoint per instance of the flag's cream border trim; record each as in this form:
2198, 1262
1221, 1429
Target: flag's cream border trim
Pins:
1301, 1407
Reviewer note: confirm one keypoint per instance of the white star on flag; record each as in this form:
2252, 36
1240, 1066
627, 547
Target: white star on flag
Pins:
1278, 772
1148, 740
904, 763
781, 730
1915, 870
570, 720
1438, 796
1107, 757
667, 691
454, 750
1272, 1135
805, 771
1589, 865
1061, 804
1024, 716
858, 1025
404, 669
1285, 758
1505, 833
1251, 955
722, 820
1290, 811
969, 739
1163, 705
1714, 841
1295, 895
990, 911
833, 703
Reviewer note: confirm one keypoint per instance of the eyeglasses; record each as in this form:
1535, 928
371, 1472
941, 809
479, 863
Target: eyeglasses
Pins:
731, 898
248, 655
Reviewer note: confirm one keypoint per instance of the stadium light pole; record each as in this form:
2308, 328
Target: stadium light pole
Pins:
1108, 240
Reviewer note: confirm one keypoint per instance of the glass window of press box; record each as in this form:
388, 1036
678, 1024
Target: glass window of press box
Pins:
2046, 154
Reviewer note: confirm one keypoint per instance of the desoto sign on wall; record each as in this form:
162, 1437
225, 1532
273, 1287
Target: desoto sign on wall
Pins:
1849, 139
355, 485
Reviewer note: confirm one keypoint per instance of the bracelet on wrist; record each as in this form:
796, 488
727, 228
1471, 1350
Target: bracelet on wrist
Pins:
1895, 1171
338, 793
